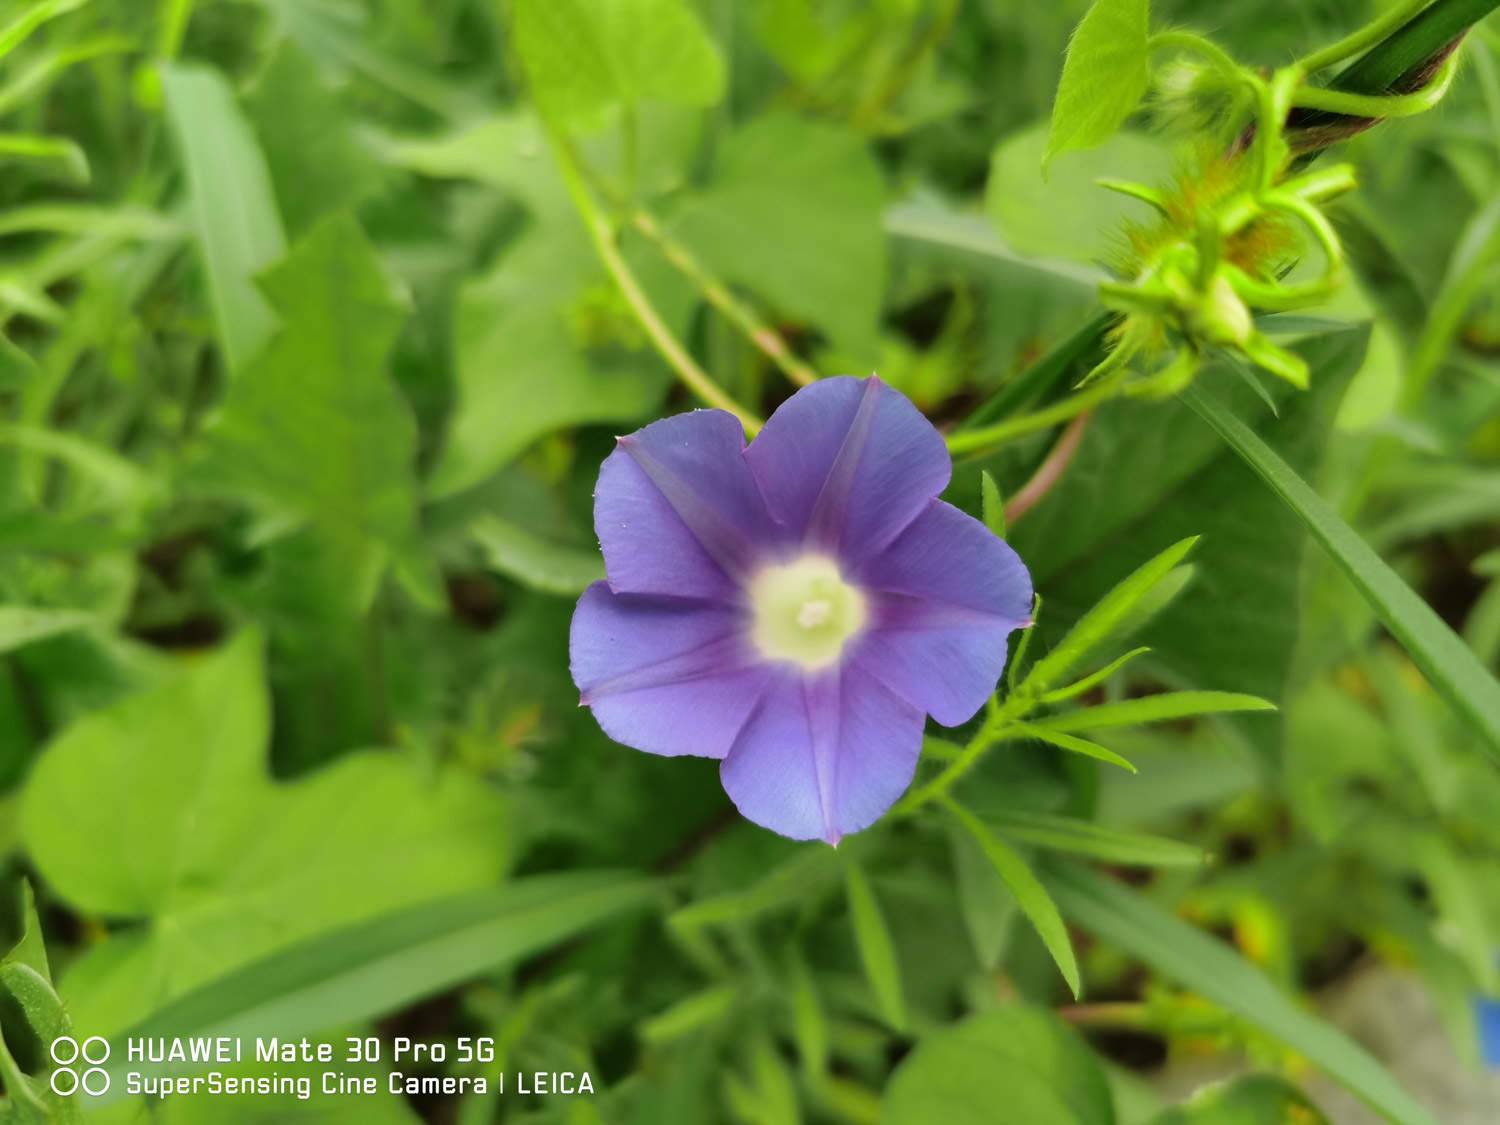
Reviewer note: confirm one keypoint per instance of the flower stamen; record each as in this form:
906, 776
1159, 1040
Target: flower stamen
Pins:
804, 612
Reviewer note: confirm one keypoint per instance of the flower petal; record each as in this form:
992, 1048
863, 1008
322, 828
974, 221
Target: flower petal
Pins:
668, 677
823, 757
677, 511
946, 596
846, 463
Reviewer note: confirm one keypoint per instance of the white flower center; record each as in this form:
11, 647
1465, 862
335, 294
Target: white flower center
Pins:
804, 612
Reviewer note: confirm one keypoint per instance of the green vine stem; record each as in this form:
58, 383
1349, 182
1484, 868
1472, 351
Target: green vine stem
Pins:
1360, 41
602, 234
1380, 105
992, 732
988, 437
758, 332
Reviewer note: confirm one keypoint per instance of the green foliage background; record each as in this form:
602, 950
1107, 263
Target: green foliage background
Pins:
307, 364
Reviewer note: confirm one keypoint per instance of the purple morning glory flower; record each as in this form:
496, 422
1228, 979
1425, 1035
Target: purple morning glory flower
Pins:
793, 607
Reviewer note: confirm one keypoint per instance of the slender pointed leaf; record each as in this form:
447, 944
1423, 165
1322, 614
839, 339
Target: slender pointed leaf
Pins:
1154, 709
1031, 896
876, 950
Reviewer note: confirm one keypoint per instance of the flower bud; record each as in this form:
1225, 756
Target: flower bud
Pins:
1221, 317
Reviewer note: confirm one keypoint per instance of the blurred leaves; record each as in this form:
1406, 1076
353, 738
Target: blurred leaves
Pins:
171, 820
1258, 1100
822, 260
388, 961
231, 201
1236, 623
1023, 1059
33, 1016
1184, 954
316, 429
315, 162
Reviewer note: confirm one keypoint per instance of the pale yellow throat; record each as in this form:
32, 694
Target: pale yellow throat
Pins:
804, 612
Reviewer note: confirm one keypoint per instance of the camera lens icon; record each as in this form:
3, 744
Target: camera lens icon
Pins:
66, 1052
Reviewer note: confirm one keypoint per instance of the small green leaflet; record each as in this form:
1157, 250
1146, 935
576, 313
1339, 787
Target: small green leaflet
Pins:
553, 568
1031, 896
1104, 77
994, 505
1155, 709
876, 950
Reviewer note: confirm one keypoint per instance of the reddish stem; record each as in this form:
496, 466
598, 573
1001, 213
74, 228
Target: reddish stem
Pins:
1050, 471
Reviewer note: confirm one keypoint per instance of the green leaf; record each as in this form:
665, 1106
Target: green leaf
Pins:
1013, 1064
21, 625
993, 505
945, 232
1072, 744
1084, 837
1444, 659
1154, 709
1469, 273
808, 871
1064, 213
1095, 679
118, 481
159, 809
582, 58
1205, 965
71, 160
809, 1023
1103, 620
1031, 896
18, 30
233, 207
536, 562
316, 429
1104, 77
768, 1096
876, 950
525, 367
822, 260
315, 162
1077, 353
1258, 1100
1236, 625
691, 1015
988, 908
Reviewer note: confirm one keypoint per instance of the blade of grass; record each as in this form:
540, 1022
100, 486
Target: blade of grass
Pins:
233, 208
1449, 665
1154, 709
